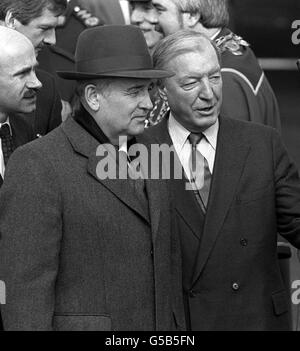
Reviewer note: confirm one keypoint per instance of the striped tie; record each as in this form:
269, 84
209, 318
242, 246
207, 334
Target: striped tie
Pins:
200, 173
7, 142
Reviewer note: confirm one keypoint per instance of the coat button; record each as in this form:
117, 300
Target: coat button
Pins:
192, 293
244, 242
235, 286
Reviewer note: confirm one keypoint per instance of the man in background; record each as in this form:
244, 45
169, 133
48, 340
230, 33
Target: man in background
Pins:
247, 94
18, 93
37, 20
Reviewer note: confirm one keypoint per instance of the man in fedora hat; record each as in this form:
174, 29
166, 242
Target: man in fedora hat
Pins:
80, 251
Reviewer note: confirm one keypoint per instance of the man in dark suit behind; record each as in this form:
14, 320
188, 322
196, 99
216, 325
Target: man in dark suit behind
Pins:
37, 20
97, 252
240, 188
18, 90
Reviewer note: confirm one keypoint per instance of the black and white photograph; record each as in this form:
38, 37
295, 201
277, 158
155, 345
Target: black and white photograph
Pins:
149, 168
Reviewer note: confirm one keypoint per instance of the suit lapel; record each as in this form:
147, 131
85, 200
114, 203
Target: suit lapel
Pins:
84, 144
184, 200
231, 156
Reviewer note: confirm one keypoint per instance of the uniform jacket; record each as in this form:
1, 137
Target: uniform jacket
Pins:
90, 257
109, 12
22, 133
247, 94
60, 57
255, 191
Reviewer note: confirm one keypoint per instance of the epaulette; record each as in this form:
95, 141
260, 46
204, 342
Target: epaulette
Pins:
85, 17
232, 43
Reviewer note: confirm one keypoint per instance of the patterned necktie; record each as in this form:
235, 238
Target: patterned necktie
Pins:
200, 173
7, 142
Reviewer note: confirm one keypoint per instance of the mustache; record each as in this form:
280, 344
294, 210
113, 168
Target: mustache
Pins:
158, 28
30, 93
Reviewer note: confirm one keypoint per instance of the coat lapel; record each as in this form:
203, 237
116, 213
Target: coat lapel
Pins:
231, 156
84, 144
184, 200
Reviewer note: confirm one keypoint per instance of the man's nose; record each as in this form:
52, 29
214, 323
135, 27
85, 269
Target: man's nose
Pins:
50, 38
146, 103
206, 91
33, 82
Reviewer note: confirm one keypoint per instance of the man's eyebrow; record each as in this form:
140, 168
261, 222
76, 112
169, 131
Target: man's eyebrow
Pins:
25, 69
136, 87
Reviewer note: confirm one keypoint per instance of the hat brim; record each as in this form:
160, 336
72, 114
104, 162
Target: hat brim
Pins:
150, 74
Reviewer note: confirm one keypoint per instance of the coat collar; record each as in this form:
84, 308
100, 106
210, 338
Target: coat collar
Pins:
86, 145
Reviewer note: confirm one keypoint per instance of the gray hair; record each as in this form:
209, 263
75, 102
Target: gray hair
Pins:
213, 13
179, 43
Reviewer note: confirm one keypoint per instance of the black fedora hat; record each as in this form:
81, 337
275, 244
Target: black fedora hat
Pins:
113, 51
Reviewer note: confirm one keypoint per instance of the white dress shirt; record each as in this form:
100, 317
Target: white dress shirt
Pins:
207, 146
2, 165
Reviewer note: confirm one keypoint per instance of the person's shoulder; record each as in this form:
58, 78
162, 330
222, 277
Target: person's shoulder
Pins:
250, 130
237, 57
44, 145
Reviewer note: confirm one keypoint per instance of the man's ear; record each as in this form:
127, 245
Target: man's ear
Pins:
10, 21
190, 20
92, 97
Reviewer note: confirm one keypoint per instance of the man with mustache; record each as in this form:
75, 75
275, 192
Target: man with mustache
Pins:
239, 189
18, 92
143, 15
37, 19
19, 87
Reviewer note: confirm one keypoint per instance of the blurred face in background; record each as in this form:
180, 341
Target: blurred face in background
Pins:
144, 16
41, 30
169, 18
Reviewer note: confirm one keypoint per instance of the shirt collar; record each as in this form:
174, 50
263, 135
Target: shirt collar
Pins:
179, 134
8, 123
213, 37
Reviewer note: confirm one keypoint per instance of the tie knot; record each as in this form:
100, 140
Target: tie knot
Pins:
4, 130
195, 138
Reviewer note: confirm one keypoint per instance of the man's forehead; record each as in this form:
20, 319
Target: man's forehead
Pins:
47, 17
192, 60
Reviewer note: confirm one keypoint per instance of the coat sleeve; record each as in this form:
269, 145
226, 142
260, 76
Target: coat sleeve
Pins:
31, 231
287, 187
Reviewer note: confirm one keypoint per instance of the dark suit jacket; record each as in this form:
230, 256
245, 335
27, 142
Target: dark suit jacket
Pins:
22, 133
247, 93
255, 192
47, 115
90, 257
